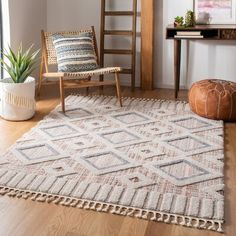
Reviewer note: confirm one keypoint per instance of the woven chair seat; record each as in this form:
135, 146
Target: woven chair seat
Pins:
86, 74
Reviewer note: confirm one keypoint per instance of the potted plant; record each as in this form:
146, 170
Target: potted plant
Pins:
179, 21
190, 19
17, 93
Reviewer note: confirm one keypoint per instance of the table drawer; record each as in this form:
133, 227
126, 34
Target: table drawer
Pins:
229, 34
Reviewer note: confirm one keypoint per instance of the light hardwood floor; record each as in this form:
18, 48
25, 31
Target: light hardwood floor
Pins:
26, 218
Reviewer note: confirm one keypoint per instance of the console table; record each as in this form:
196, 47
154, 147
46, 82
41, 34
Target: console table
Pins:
208, 32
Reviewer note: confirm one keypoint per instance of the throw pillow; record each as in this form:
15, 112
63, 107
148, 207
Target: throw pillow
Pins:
75, 53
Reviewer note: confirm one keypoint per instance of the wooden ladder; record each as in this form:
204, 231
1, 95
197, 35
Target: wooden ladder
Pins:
131, 33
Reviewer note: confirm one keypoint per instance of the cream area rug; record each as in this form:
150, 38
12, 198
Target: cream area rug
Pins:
151, 159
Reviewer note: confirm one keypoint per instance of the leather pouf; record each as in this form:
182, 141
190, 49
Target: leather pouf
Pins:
214, 99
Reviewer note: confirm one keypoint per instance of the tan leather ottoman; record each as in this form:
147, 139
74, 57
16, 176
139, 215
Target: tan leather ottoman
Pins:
214, 99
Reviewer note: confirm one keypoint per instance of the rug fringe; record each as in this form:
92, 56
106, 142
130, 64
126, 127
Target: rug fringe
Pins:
131, 98
200, 223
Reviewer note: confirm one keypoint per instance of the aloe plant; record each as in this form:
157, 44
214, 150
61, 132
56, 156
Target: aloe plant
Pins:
21, 64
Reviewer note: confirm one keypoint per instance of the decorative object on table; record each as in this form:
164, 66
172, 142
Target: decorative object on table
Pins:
215, 11
190, 19
68, 63
134, 161
17, 93
179, 21
214, 99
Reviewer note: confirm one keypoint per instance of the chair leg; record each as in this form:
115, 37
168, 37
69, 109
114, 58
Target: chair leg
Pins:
62, 93
118, 88
40, 79
101, 88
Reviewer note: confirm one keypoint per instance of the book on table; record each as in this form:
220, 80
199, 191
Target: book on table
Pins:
188, 33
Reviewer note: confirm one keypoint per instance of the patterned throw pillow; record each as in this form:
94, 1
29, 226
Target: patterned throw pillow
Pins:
75, 53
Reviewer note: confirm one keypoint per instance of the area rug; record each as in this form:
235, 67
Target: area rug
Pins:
151, 159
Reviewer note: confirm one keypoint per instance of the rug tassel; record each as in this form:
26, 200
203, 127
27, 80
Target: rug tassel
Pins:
87, 206
131, 213
145, 216
167, 220
160, 218
175, 220
212, 226
93, 207
81, 204
189, 224
220, 228
106, 208
183, 222
12, 193
58, 200
50, 199
118, 210
124, 213
74, 203
154, 217
4, 191
41, 198
203, 225
196, 225
26, 195
113, 210
139, 214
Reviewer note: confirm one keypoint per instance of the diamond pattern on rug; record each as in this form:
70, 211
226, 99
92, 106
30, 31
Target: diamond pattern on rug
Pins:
82, 143
95, 123
191, 123
155, 129
105, 162
130, 118
182, 171
75, 113
59, 169
147, 151
187, 144
121, 137
60, 131
38, 152
136, 180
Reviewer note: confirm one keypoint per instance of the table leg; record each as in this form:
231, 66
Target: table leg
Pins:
177, 56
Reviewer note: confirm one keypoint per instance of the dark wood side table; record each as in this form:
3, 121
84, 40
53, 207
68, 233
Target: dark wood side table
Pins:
208, 32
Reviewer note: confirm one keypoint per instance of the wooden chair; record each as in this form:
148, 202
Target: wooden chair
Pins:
69, 80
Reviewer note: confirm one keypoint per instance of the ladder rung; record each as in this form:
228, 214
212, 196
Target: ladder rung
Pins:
118, 51
119, 13
126, 71
118, 32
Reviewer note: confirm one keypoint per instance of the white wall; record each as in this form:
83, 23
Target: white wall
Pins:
27, 18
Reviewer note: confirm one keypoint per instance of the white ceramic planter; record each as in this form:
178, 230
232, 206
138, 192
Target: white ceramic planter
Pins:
17, 101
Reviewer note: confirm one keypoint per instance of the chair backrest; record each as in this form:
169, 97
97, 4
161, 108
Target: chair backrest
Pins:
48, 49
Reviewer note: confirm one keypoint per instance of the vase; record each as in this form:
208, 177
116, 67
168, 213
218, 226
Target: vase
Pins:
17, 100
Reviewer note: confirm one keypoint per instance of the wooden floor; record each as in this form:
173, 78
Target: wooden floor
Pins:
25, 218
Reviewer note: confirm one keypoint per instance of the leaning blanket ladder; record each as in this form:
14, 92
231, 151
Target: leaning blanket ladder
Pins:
127, 33
69, 80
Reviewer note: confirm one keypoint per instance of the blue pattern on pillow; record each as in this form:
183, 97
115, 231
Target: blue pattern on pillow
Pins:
75, 53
